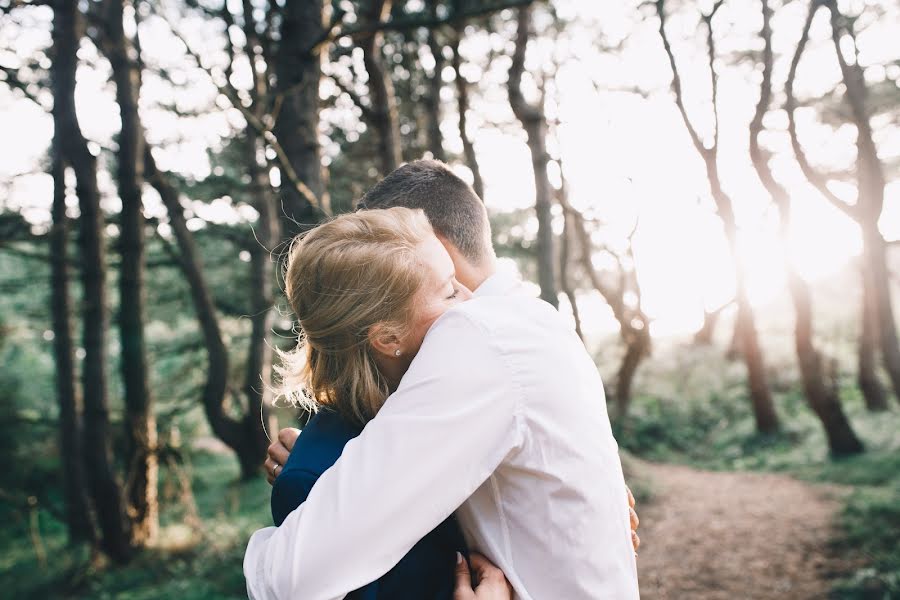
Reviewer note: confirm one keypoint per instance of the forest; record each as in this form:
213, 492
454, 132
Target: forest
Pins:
708, 191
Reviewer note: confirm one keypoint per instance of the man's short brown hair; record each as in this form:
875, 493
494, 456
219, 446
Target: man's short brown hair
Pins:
453, 208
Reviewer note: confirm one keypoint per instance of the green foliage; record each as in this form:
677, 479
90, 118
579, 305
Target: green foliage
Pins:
188, 563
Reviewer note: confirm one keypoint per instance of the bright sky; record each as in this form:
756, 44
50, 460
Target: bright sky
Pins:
625, 156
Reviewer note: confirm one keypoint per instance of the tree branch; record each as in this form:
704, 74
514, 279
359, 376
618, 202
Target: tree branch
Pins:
367, 112
15, 82
256, 123
332, 34
818, 180
676, 80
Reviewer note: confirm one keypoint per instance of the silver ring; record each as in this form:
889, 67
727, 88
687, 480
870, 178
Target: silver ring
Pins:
275, 470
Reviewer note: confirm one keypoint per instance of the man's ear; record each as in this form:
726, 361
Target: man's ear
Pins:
384, 342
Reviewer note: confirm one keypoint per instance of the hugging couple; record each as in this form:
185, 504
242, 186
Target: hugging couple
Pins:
460, 446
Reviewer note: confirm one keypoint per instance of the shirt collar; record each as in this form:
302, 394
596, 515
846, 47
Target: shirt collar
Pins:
501, 283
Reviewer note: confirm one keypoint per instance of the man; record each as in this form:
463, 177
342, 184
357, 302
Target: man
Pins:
501, 418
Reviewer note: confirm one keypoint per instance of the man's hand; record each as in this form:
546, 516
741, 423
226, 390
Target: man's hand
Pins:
279, 450
490, 582
635, 539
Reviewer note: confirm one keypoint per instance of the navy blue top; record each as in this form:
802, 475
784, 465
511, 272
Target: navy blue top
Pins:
425, 573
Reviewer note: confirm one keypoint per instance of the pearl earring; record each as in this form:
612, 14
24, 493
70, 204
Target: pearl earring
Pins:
397, 353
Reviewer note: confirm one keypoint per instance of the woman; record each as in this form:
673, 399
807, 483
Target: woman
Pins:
366, 287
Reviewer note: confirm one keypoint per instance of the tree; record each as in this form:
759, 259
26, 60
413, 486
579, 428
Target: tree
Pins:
105, 491
383, 102
432, 103
622, 292
77, 509
141, 455
760, 396
531, 116
879, 324
821, 397
462, 107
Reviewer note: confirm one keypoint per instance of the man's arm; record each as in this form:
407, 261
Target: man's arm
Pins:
453, 420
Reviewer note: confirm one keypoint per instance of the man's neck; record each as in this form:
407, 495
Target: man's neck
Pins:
472, 277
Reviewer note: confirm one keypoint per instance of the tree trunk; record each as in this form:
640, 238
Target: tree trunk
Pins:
384, 115
704, 335
867, 378
299, 71
822, 398
564, 259
433, 98
751, 353
637, 346
104, 489
141, 454
874, 254
532, 119
258, 382
78, 516
462, 106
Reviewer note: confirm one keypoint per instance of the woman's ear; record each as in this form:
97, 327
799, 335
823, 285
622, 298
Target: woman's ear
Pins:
384, 342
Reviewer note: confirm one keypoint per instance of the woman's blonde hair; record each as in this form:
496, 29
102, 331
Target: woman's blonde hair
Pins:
343, 277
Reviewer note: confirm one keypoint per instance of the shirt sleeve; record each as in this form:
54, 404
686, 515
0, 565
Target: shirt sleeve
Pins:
452, 421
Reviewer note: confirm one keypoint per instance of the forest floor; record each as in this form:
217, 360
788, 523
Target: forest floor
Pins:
722, 535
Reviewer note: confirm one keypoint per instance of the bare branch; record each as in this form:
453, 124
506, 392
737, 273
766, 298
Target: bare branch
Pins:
256, 123
332, 33
713, 76
367, 112
759, 159
817, 179
676, 79
13, 80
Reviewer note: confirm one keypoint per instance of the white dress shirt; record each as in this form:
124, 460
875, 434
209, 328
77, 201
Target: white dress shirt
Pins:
501, 415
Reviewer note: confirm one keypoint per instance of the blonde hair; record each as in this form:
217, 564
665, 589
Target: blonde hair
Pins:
343, 277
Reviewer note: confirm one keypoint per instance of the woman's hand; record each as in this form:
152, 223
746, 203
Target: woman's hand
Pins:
278, 452
635, 539
490, 582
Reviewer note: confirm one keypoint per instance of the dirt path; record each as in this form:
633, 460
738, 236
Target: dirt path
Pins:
711, 536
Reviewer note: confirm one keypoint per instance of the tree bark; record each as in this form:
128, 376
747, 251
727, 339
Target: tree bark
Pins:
105, 492
704, 335
433, 98
867, 354
77, 510
462, 107
384, 117
637, 347
822, 398
532, 119
141, 455
760, 396
298, 71
565, 283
